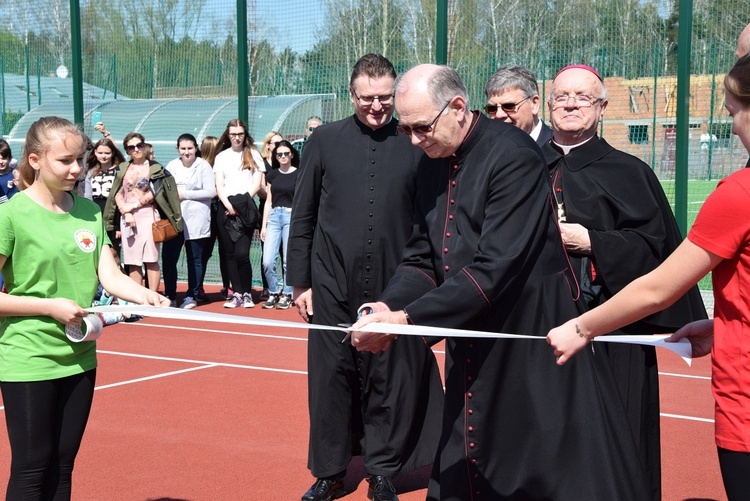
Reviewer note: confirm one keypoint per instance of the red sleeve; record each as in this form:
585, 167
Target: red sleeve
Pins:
723, 223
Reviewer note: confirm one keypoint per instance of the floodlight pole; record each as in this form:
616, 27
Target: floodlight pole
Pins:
75, 57
243, 87
684, 44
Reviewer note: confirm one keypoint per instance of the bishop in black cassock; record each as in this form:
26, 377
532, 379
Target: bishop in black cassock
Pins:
485, 254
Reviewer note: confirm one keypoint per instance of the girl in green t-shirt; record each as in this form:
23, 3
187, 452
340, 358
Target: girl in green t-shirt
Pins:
53, 252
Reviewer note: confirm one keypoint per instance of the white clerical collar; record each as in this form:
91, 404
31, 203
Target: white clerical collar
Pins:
536, 130
567, 147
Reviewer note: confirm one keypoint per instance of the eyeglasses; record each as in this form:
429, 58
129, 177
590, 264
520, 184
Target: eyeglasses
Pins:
238, 134
491, 109
283, 154
131, 147
421, 129
369, 100
582, 100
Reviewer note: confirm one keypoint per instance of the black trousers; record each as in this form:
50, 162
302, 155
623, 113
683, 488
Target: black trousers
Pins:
46, 421
237, 255
735, 471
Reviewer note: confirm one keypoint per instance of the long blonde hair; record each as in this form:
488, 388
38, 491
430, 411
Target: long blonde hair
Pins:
209, 149
266, 142
38, 140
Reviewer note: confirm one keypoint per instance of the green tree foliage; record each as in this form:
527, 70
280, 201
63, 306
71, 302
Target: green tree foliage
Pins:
145, 48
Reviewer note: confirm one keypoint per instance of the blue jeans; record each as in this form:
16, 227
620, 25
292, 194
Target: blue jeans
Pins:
277, 231
170, 254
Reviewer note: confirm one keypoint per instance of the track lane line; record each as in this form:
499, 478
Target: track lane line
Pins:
203, 362
689, 418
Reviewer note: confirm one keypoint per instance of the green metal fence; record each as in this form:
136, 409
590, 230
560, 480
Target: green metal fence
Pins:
663, 62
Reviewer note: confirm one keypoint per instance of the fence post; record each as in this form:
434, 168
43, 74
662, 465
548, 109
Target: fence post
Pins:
711, 111
28, 79
2, 91
38, 81
656, 93
242, 65
441, 32
684, 44
77, 65
114, 73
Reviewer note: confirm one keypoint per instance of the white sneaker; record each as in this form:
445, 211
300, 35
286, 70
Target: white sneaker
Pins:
189, 303
235, 301
247, 301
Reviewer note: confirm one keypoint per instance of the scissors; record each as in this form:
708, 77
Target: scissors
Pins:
367, 310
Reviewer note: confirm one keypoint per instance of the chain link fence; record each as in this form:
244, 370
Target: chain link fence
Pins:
171, 66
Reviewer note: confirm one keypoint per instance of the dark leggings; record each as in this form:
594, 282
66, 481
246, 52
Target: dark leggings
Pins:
45, 420
735, 471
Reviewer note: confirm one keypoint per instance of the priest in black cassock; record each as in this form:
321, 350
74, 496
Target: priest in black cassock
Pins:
351, 216
617, 225
486, 254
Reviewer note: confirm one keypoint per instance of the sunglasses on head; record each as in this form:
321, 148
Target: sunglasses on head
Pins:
491, 109
131, 147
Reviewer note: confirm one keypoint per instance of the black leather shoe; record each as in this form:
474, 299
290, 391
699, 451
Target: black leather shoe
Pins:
381, 489
326, 489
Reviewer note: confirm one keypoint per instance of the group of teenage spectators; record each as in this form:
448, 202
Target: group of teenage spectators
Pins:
207, 193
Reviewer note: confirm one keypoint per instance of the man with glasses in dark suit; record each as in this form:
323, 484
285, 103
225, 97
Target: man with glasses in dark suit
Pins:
513, 97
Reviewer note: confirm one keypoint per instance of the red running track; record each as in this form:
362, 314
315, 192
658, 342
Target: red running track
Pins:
219, 412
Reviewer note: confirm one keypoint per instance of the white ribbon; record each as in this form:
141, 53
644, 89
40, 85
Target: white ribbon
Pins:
683, 348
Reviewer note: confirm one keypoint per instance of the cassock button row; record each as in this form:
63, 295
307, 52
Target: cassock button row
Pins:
373, 148
471, 445
471, 345
445, 250
469, 378
455, 167
469, 394
372, 201
372, 174
471, 428
369, 241
447, 268
448, 235
471, 411
372, 188
452, 201
372, 162
473, 461
369, 228
370, 214
453, 183
468, 360
476, 475
450, 216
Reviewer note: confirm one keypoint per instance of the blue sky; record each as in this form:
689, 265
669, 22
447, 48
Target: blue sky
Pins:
292, 23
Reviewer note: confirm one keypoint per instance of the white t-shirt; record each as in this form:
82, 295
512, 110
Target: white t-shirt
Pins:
236, 179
